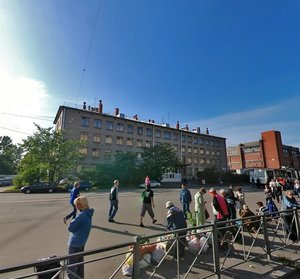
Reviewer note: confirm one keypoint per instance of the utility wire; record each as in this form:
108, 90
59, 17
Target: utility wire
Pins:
89, 48
45, 118
15, 131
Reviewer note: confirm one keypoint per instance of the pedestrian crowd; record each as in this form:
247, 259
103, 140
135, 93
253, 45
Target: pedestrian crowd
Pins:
227, 204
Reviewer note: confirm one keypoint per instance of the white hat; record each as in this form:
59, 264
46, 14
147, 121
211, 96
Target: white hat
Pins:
169, 204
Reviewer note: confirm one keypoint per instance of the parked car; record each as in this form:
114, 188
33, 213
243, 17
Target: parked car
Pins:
153, 184
41, 187
84, 186
7, 181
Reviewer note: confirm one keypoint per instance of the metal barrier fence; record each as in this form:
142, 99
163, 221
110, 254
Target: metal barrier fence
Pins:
239, 240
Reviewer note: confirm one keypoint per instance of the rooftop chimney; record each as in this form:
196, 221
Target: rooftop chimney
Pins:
135, 117
177, 125
207, 131
198, 130
100, 110
84, 105
187, 127
117, 111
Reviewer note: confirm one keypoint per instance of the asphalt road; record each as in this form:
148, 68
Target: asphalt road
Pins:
31, 225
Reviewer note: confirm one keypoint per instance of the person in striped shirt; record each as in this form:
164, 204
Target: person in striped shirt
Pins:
261, 208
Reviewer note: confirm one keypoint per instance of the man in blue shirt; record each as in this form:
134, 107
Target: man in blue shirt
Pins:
185, 198
74, 194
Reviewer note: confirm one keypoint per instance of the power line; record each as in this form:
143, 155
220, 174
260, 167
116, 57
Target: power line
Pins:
45, 118
89, 48
15, 131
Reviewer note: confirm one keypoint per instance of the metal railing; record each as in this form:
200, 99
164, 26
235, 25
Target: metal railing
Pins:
241, 239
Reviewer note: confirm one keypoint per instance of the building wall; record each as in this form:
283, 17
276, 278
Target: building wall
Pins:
272, 145
105, 135
269, 152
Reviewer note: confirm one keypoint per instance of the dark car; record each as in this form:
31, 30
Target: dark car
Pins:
84, 186
41, 187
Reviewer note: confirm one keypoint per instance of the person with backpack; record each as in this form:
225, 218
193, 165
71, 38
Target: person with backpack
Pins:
185, 198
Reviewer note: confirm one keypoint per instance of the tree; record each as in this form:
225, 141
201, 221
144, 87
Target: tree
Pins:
10, 155
124, 167
48, 156
159, 159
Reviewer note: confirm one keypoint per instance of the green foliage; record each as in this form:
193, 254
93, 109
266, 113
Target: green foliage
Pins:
124, 168
212, 175
47, 156
10, 155
158, 159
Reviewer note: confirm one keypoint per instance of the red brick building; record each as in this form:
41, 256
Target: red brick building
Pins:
268, 152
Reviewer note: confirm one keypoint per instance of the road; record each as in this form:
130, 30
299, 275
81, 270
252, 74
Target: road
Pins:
31, 225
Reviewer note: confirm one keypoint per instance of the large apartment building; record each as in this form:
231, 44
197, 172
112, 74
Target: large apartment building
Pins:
267, 152
106, 134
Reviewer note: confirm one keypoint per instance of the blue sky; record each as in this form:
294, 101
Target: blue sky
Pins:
231, 66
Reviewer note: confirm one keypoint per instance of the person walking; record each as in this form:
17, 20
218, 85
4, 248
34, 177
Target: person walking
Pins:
114, 201
231, 199
148, 205
240, 195
79, 230
147, 180
73, 195
176, 220
200, 207
185, 198
289, 202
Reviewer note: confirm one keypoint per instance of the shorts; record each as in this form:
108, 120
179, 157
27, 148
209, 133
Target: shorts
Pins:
147, 207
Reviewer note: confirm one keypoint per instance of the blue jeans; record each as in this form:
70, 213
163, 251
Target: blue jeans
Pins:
113, 209
185, 208
79, 269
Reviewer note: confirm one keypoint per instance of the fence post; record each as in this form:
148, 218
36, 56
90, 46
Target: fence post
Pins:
215, 243
136, 257
266, 237
297, 222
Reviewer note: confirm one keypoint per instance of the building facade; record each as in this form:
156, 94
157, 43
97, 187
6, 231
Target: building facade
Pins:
106, 134
268, 152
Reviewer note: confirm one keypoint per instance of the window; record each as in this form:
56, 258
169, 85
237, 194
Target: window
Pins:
201, 161
139, 143
175, 146
95, 153
119, 141
189, 160
149, 132
208, 161
97, 123
207, 152
120, 127
109, 125
129, 142
84, 137
157, 133
212, 143
83, 151
85, 121
213, 153
140, 130
217, 143
201, 151
183, 149
218, 153
196, 161
189, 149
183, 138
195, 150
97, 138
130, 129
167, 135
108, 139
196, 140
175, 136
201, 141
107, 154
148, 143
189, 139
207, 142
